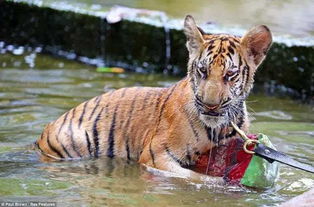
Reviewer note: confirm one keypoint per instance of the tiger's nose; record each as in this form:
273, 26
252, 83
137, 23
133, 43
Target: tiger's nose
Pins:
211, 106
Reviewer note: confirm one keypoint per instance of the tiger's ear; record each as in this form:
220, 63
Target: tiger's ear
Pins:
193, 34
256, 43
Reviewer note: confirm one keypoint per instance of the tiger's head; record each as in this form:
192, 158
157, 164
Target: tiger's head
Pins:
221, 68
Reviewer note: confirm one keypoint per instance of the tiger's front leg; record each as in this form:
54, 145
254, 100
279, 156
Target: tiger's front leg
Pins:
162, 161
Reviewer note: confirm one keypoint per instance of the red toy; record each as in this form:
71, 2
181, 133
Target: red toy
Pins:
229, 161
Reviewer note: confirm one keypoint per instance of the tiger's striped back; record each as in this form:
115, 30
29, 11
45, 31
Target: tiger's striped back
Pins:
112, 124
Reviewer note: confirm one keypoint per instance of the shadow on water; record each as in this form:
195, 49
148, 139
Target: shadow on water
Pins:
32, 97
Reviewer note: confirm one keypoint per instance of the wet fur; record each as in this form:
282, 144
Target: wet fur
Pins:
163, 127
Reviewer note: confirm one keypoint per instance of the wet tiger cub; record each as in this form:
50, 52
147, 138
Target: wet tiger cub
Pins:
167, 128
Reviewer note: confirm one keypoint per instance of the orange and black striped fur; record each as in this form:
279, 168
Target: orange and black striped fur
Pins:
167, 128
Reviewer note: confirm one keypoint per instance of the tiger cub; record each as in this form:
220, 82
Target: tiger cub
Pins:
167, 128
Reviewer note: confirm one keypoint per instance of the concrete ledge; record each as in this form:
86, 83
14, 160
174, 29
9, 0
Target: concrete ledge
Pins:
139, 46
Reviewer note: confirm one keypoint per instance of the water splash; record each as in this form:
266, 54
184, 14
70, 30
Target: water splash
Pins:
30, 60
167, 44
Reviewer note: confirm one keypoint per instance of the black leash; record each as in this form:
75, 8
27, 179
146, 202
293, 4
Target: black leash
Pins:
270, 154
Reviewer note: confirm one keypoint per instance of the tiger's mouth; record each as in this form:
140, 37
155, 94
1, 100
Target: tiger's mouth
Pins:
207, 110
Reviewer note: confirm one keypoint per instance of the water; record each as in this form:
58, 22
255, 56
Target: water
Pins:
289, 18
33, 95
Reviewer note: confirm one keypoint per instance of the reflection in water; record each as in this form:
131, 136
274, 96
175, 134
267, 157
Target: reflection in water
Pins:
31, 98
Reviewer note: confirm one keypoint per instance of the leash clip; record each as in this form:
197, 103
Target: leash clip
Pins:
247, 141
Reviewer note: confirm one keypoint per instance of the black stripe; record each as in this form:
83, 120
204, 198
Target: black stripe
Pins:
82, 115
71, 135
236, 40
88, 144
66, 151
152, 154
237, 78
240, 61
240, 122
139, 154
211, 42
210, 47
199, 57
110, 152
222, 134
127, 147
145, 100
209, 133
220, 48
188, 154
162, 107
194, 65
52, 147
164, 103
127, 126
243, 72
97, 100
63, 122
157, 101
229, 56
214, 134
232, 44
159, 119
196, 135
174, 157
247, 74
130, 114
215, 56
42, 151
95, 134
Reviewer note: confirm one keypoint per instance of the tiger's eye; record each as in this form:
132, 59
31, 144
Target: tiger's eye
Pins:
202, 68
231, 74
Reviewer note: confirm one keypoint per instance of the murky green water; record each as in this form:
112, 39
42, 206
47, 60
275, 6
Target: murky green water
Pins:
290, 18
32, 97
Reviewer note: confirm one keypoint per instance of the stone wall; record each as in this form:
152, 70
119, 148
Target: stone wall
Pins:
139, 46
